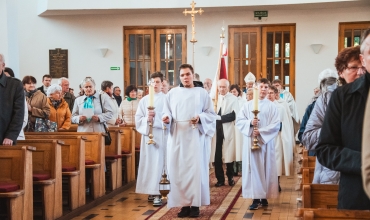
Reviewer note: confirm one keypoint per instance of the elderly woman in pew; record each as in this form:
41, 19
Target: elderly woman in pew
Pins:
59, 110
37, 103
92, 110
128, 107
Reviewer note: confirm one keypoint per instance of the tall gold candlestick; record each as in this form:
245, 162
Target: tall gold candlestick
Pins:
255, 140
151, 141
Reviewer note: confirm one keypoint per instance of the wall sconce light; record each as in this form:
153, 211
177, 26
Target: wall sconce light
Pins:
316, 48
206, 50
103, 51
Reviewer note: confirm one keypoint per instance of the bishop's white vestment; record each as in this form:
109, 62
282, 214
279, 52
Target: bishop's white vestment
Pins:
188, 152
284, 141
151, 156
259, 175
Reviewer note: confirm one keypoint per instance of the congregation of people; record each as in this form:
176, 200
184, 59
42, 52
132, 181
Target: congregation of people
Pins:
249, 132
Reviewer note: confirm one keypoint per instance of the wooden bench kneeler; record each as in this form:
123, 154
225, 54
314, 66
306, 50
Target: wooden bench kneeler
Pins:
16, 180
320, 196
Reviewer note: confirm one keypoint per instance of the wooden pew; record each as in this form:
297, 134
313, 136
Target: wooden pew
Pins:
47, 175
320, 196
307, 175
128, 150
16, 180
327, 214
73, 164
113, 158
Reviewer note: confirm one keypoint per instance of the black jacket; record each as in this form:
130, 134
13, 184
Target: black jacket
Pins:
11, 108
339, 146
41, 88
70, 99
118, 99
305, 120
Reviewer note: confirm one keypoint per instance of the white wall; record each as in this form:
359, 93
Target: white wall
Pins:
3, 26
83, 35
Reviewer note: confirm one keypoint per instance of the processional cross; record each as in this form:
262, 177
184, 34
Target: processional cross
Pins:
192, 13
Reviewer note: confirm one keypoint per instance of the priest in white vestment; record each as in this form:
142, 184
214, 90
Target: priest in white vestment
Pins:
288, 97
235, 90
259, 178
227, 106
190, 113
151, 155
284, 142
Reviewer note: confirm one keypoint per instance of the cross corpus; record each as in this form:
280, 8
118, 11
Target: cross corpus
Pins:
192, 13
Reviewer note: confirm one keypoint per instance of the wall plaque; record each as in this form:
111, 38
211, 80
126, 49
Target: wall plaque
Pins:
58, 63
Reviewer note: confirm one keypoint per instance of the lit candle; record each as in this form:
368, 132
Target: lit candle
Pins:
255, 98
151, 96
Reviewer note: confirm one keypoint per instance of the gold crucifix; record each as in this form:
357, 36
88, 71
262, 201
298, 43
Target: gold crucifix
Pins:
192, 13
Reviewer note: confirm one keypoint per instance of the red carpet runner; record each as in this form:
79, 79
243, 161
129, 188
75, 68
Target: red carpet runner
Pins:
222, 200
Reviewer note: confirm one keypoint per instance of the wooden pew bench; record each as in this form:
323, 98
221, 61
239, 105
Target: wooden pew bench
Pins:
328, 214
113, 159
16, 181
47, 175
320, 196
127, 151
73, 166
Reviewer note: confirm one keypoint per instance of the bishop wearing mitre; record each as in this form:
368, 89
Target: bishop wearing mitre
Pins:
151, 155
225, 152
259, 177
249, 80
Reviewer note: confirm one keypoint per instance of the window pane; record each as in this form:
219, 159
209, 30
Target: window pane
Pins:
287, 88
132, 73
347, 38
132, 46
140, 46
356, 37
171, 72
286, 44
245, 43
140, 75
270, 47
286, 80
178, 45
147, 46
162, 45
163, 69
176, 73
148, 72
278, 48
170, 45
236, 45
269, 70
286, 69
253, 45
277, 68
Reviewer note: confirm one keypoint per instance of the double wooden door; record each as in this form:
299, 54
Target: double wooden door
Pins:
266, 51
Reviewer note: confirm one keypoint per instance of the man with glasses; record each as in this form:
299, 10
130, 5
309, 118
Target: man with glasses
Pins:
339, 146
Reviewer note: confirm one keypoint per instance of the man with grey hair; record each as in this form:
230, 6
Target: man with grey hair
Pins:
207, 85
227, 107
12, 107
68, 97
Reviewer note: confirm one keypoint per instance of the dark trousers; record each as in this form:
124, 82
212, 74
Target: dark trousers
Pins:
219, 171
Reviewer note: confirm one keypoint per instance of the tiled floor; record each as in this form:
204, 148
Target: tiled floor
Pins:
129, 205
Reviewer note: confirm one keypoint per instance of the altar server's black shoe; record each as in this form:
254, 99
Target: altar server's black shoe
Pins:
194, 212
185, 212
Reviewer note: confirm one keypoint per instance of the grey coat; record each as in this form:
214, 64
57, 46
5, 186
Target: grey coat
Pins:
310, 138
92, 126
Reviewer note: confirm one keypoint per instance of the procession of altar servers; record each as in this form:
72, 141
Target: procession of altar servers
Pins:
189, 174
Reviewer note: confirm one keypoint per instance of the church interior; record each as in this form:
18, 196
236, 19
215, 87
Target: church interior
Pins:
125, 42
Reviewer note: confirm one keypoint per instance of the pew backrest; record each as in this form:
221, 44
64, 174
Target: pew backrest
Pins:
320, 196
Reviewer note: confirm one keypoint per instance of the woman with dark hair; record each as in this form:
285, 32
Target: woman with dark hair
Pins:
37, 103
8, 72
128, 106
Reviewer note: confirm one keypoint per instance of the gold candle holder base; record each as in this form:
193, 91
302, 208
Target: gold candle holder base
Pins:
255, 140
151, 136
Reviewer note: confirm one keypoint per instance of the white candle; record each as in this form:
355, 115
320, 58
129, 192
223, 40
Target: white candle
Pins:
151, 96
255, 98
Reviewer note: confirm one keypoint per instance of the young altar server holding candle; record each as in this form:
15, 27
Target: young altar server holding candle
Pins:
151, 155
259, 174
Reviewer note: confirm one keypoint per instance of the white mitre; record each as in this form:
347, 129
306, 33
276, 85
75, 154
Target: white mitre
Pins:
249, 78
327, 73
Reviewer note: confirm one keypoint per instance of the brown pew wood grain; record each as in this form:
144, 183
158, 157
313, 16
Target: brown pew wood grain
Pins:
331, 214
16, 164
320, 196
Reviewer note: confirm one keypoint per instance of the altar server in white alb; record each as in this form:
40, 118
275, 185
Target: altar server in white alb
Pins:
151, 155
189, 111
227, 107
284, 141
259, 178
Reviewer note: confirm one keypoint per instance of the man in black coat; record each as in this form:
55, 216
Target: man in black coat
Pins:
11, 108
339, 146
46, 82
